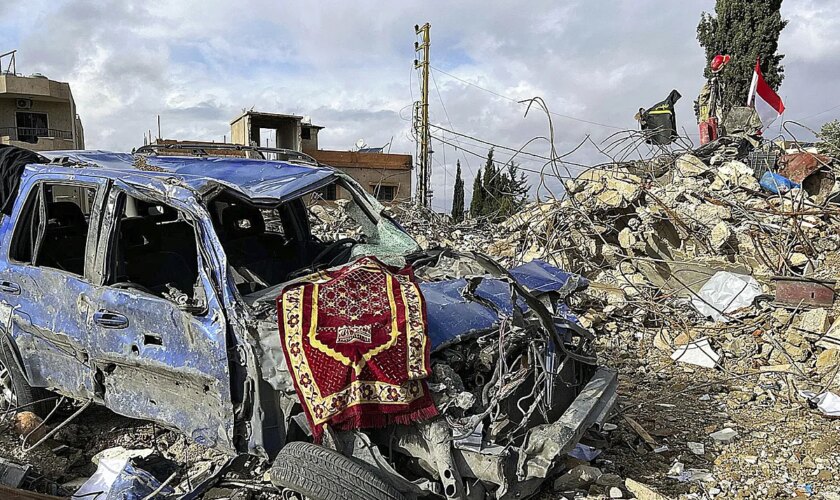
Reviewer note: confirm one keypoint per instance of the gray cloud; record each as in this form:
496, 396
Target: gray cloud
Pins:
349, 66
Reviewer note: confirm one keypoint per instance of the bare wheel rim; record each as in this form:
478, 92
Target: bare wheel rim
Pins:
8, 398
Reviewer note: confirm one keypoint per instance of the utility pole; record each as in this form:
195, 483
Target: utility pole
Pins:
424, 173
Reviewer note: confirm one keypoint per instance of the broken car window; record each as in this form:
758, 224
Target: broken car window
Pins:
154, 250
268, 245
52, 230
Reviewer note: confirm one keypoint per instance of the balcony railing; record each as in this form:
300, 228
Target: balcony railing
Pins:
31, 134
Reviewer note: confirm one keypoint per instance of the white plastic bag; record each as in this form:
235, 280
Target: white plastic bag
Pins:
725, 292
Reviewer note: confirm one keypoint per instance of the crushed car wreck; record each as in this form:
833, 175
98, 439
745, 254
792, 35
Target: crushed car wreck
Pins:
149, 284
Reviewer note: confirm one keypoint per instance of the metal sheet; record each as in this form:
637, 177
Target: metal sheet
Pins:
539, 276
798, 166
796, 291
256, 179
452, 316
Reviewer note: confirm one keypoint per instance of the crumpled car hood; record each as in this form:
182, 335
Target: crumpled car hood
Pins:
451, 316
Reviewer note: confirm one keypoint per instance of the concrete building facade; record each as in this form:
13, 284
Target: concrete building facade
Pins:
290, 131
386, 176
38, 113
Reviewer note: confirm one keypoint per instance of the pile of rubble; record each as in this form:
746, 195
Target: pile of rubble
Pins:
712, 288
711, 291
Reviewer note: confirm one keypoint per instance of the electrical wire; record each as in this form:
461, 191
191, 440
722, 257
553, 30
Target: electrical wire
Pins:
568, 117
449, 121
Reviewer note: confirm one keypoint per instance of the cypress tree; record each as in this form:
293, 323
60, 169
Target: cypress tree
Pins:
491, 187
513, 191
458, 196
477, 201
745, 30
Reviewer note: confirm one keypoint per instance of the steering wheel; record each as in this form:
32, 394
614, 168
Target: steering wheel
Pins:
127, 285
333, 246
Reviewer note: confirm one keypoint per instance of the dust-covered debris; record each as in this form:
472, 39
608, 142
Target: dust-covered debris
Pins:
744, 421
649, 238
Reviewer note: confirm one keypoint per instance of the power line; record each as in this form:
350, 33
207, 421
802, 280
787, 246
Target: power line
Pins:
497, 146
448, 120
502, 164
507, 148
818, 114
568, 117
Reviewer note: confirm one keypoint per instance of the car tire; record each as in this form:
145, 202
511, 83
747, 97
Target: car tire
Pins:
318, 473
15, 391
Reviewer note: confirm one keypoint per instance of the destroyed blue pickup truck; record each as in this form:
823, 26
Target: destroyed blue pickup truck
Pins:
148, 283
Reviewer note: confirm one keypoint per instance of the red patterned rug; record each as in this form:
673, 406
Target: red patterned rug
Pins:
356, 346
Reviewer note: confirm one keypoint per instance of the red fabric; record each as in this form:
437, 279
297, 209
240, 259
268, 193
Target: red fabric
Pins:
708, 130
718, 62
356, 346
767, 94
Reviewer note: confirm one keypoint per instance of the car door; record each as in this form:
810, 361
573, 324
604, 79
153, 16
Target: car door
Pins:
158, 330
48, 243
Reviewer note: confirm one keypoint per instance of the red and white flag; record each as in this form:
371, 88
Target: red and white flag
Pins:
766, 102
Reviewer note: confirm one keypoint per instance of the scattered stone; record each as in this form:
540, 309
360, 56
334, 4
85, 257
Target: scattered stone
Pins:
30, 426
814, 321
828, 360
642, 491
626, 238
825, 476
696, 448
720, 235
662, 341
724, 436
610, 479
616, 492
797, 259
577, 478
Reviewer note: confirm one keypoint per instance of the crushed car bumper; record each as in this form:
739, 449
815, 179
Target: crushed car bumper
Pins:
515, 472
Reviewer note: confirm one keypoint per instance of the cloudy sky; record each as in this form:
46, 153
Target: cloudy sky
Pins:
349, 65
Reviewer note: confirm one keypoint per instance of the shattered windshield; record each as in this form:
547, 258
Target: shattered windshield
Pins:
267, 245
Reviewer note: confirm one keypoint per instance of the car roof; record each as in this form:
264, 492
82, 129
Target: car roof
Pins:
256, 179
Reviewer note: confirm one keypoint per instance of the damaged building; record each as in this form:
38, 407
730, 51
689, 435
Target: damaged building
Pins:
385, 175
37, 113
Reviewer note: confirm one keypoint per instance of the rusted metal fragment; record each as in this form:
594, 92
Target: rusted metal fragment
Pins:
8, 493
796, 291
798, 166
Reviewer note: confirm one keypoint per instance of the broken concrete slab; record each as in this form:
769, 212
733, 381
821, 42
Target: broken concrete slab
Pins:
689, 165
724, 436
831, 339
814, 321
642, 491
827, 360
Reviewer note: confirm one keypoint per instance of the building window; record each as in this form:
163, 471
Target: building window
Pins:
328, 193
384, 193
31, 126
306, 133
